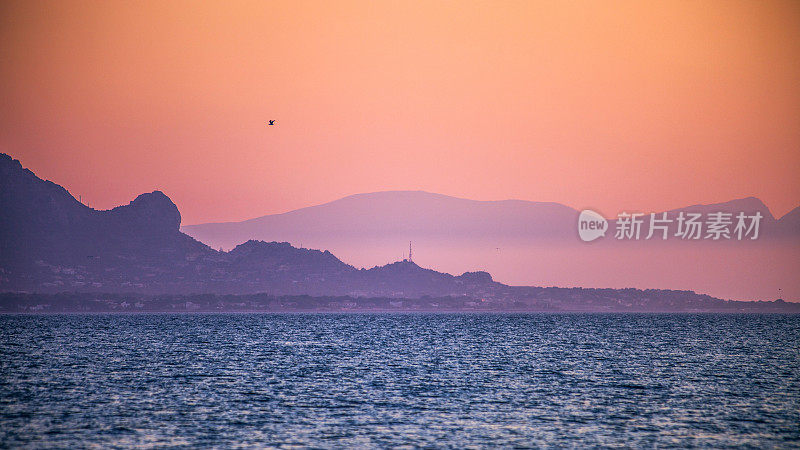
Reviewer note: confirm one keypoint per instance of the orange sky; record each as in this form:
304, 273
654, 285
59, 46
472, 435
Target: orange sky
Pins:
592, 104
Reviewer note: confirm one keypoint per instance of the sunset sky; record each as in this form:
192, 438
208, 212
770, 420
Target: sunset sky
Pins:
609, 105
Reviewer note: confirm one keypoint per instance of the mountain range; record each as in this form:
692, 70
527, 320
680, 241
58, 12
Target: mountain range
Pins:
421, 215
50, 243
534, 243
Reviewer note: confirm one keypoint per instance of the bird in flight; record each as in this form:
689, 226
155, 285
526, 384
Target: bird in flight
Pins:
272, 122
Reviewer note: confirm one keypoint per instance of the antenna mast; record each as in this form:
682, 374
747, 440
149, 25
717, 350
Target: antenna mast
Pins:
409, 252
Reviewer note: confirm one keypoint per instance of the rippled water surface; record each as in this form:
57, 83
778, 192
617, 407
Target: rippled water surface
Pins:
377, 380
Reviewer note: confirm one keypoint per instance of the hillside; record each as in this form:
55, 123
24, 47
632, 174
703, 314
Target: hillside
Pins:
51, 243
534, 243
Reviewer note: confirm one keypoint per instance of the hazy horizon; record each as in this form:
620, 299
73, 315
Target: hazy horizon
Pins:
601, 197
496, 200
527, 243
610, 105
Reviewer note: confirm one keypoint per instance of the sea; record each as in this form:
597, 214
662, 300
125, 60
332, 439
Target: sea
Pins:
469, 380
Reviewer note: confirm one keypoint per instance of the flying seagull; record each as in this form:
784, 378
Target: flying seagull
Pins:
272, 122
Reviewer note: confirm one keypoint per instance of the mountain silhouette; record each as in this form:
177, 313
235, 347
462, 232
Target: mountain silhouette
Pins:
421, 215
524, 242
47, 235
50, 243
397, 214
